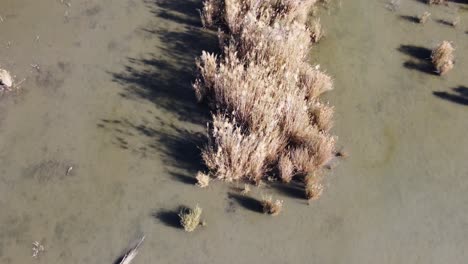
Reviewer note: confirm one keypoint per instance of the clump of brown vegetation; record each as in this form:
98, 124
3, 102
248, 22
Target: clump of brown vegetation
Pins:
436, 2
314, 186
267, 116
190, 218
203, 180
443, 58
424, 17
271, 207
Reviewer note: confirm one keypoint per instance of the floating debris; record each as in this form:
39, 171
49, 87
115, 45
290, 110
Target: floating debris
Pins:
36, 66
37, 249
131, 254
6, 81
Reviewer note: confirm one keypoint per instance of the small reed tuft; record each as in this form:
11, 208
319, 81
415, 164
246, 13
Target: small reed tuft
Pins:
271, 207
443, 58
190, 218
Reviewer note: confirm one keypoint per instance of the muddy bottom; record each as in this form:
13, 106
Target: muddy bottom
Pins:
106, 92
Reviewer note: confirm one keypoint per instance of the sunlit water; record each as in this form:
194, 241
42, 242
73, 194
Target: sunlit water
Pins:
107, 92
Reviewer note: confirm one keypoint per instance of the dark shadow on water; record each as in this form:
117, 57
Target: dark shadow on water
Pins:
420, 58
416, 52
413, 19
182, 13
184, 178
168, 217
293, 189
247, 202
444, 22
163, 76
459, 95
177, 147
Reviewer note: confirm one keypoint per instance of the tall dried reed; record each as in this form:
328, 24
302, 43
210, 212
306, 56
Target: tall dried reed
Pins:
264, 95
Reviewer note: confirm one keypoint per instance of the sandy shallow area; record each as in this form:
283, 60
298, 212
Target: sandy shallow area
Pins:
107, 91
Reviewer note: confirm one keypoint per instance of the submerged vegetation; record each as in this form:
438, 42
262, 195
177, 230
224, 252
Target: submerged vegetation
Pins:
267, 116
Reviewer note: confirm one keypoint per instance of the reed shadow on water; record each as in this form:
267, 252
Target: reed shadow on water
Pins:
247, 202
164, 78
169, 217
294, 189
186, 13
459, 95
177, 147
420, 58
412, 19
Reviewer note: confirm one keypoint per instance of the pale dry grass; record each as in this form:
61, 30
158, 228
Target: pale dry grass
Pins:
443, 58
316, 30
436, 2
271, 207
314, 186
265, 96
6, 81
190, 218
424, 17
203, 180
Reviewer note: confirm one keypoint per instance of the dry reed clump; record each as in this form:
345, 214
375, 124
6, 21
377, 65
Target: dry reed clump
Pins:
436, 2
443, 58
314, 186
424, 17
271, 207
203, 180
265, 96
316, 30
190, 218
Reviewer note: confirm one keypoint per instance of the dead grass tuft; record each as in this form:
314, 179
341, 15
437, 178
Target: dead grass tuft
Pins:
424, 17
190, 218
271, 207
443, 58
436, 2
314, 186
203, 180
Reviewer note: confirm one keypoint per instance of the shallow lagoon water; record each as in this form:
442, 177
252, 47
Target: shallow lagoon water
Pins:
111, 97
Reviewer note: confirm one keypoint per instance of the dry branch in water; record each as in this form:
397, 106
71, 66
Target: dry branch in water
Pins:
443, 58
268, 119
132, 253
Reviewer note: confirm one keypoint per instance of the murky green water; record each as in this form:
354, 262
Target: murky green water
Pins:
111, 97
